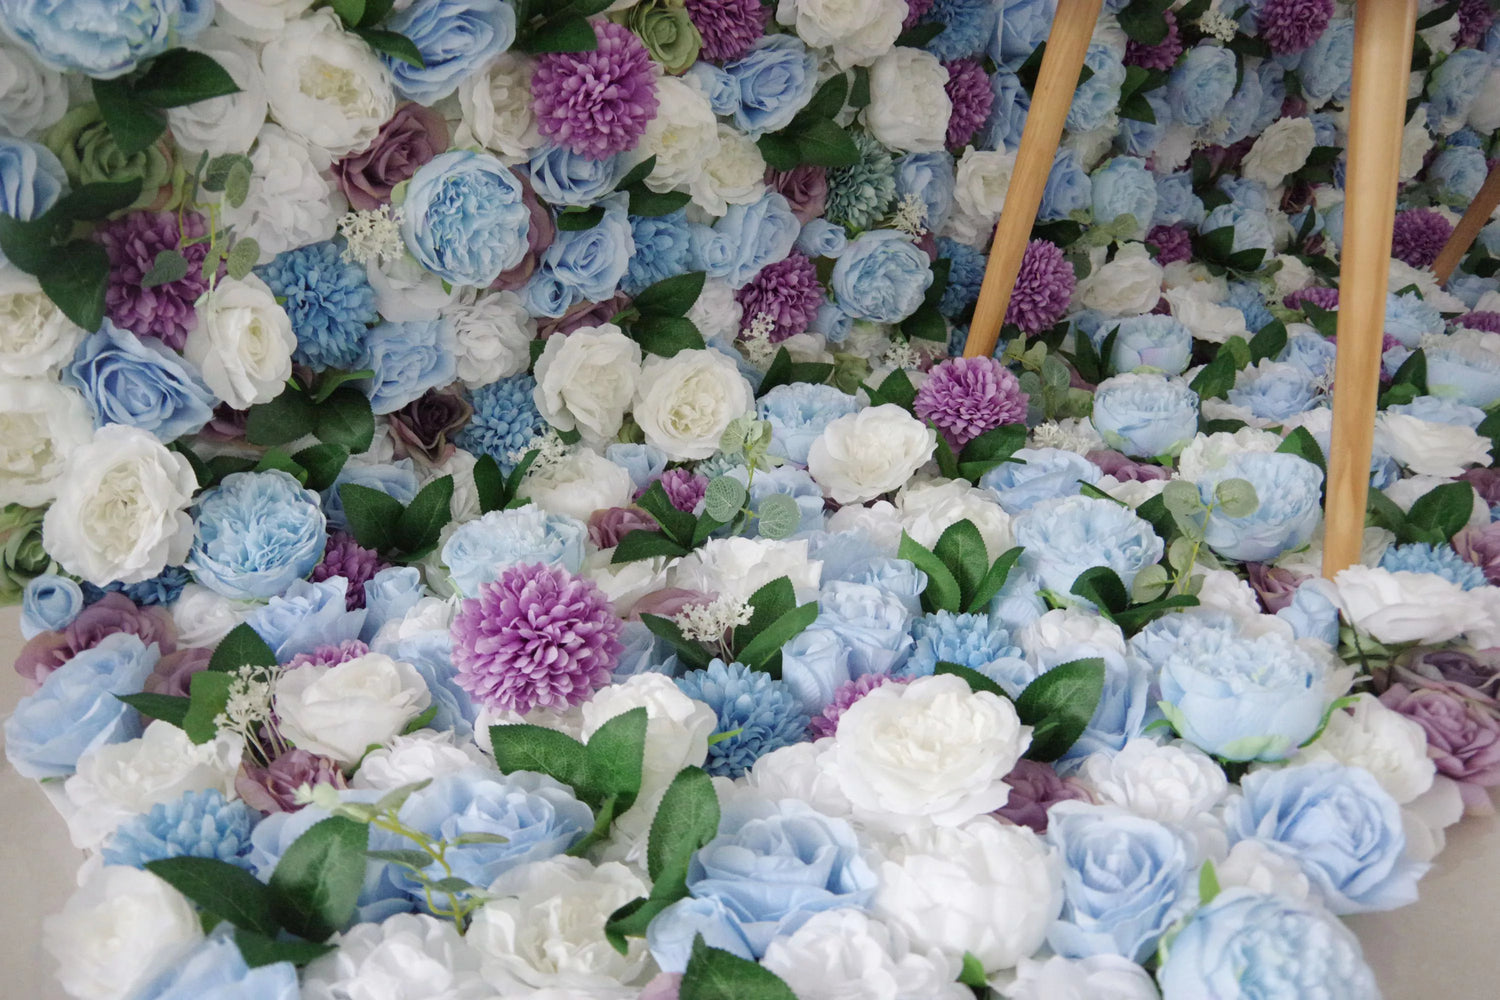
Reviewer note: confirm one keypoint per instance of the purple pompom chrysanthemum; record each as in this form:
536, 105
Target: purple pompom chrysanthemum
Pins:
1290, 26
1324, 298
827, 723
969, 90
1419, 236
163, 311
684, 488
596, 103
537, 637
914, 11
1163, 55
347, 558
788, 291
1489, 322
1173, 243
1044, 287
1474, 20
328, 656
728, 27
964, 397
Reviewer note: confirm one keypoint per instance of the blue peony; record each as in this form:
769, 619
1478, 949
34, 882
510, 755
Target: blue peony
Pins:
1150, 343
968, 26
814, 665
763, 714
965, 275
408, 359
1290, 494
139, 383
76, 710
1246, 945
746, 239
1327, 65
882, 276
563, 177
644, 462
1201, 84
1140, 138
784, 480
307, 616
1038, 474
1272, 95
463, 218
31, 177
1144, 415
49, 603
455, 37
1338, 825
1243, 109
584, 265
798, 412
970, 641
931, 177
1457, 83
329, 301
196, 824
254, 534
1124, 186
1438, 410
1457, 173
1126, 881
505, 422
431, 653
1096, 98
1248, 300
1311, 351
832, 322
1252, 227
1464, 370
1008, 109
898, 578
719, 87
389, 595
479, 550
1440, 560
776, 78
398, 479
873, 623
1274, 391
216, 968
1065, 536
1024, 24
1312, 613
663, 249
1176, 202
102, 38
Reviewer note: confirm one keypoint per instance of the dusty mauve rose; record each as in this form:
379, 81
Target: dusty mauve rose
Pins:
424, 428
1462, 739
1275, 585
607, 527
539, 236
1112, 463
1486, 483
1472, 675
805, 188
1035, 788
413, 136
1481, 546
227, 424
668, 602
112, 613
274, 789
174, 671
583, 314
663, 986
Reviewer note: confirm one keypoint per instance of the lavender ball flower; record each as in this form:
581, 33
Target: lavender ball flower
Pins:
345, 557
596, 103
1044, 287
728, 27
964, 397
1419, 236
787, 291
969, 92
1290, 26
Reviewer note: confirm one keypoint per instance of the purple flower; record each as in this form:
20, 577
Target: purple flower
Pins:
1489, 322
1324, 298
668, 602
536, 637
1474, 20
788, 291
347, 558
173, 672
1486, 483
1044, 287
331, 655
914, 11
274, 789
1419, 236
607, 527
1276, 586
805, 189
1292, 25
1462, 739
684, 488
1474, 676
827, 722
112, 613
1173, 243
132, 243
424, 428
728, 27
1481, 546
1035, 788
1163, 55
1113, 463
596, 103
969, 90
964, 397
413, 136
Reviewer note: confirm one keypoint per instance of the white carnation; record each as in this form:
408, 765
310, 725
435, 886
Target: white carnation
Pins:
258, 20
982, 178
292, 202
203, 617
800, 771
496, 105
1411, 607
716, 314
405, 291
1176, 784
1208, 453
1252, 864
494, 334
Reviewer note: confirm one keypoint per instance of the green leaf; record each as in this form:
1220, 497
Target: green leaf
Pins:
95, 201
779, 150
285, 418
168, 266
825, 144
1218, 244
926, 323
479, 837
961, 548
829, 100
895, 388
770, 601
351, 12
489, 484
282, 462
216, 176
614, 757
1490, 427
977, 682
417, 723
664, 336
643, 544
942, 592
242, 646
1103, 587
317, 882
258, 950
323, 463
637, 174
666, 630
226, 891
166, 707
536, 748
423, 519
1217, 377
179, 77
1438, 15
567, 34
993, 581
652, 204
373, 516
75, 277
1440, 513
757, 653
677, 524
715, 974
859, 92
416, 860
1236, 498
243, 256
1208, 883
1268, 341
1059, 704
345, 418
724, 498
1301, 443
1144, 21
208, 693
778, 516
972, 973
1413, 372
27, 245
393, 44
571, 220
687, 818
132, 123
332, 378
671, 296
1382, 512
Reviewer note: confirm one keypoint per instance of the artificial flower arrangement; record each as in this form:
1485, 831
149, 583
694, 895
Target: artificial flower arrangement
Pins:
495, 515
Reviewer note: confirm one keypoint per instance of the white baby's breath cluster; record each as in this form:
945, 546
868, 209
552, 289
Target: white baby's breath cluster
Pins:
373, 235
755, 341
710, 620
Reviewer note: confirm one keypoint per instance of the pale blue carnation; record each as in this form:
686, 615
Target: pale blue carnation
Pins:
254, 534
32, 178
1467, 373
663, 249
1408, 317
644, 462
1457, 173
898, 578
1024, 24
1310, 351
389, 595
1252, 227
1440, 560
589, 263
931, 177
875, 625
719, 87
821, 238
463, 218
431, 654
1008, 111
814, 665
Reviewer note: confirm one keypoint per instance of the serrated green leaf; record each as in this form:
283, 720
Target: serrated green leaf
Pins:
942, 592
1441, 512
75, 277
614, 758
208, 694
689, 652
423, 519
345, 418
133, 124
715, 974
1268, 341
643, 544
226, 891
993, 581
961, 548
394, 45
317, 881
1101, 586
686, 819
678, 525
653, 204
536, 748
1059, 704
567, 34
285, 418
323, 463
637, 174
1301, 443
672, 296
258, 950
977, 682
166, 707
825, 144
179, 77
665, 336
573, 220
373, 516
242, 646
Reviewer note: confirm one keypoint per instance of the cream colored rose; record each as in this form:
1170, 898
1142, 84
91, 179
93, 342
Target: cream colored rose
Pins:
32, 96
35, 337
41, 424
1429, 448
243, 342
326, 86
734, 175
586, 380
982, 178
223, 124
1280, 150
930, 507
684, 402
909, 107
1129, 285
862, 455
339, 711
858, 30
496, 105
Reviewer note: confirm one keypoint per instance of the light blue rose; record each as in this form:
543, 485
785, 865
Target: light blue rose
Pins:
139, 383
545, 295
1310, 351
1273, 390
463, 218
1019, 602
1457, 82
644, 462
931, 177
1289, 490
215, 968
1038, 474
1068, 188
1125, 707
590, 263
102, 38
1436, 410
784, 480
1457, 173
1465, 372
882, 276
832, 322
1338, 825
1151, 342
254, 534
1201, 84
307, 616
814, 664
821, 238
408, 359
49, 603
31, 179
1328, 64
1272, 94
563, 177
1096, 98
776, 78
389, 595
1008, 108
1126, 881
719, 87
1252, 228
398, 479
1144, 415
671, 934
1312, 614
643, 653
875, 626
1244, 192
455, 37
1067, 535
1024, 24
431, 653
747, 238
479, 550
76, 711
899, 578
1124, 186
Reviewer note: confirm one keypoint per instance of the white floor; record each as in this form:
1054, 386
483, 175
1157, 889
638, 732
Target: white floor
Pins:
1443, 947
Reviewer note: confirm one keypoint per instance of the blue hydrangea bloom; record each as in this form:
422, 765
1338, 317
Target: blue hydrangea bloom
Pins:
971, 641
663, 250
199, 824
505, 420
965, 275
163, 588
762, 713
1439, 559
329, 301
970, 23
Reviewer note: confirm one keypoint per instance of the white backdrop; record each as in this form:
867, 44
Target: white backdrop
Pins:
1443, 947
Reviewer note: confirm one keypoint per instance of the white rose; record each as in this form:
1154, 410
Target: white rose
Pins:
1207, 319
1252, 864
845, 955
1382, 741
799, 771
677, 731
1309, 561
909, 107
543, 928
1207, 453
225, 124
1424, 819
1069, 629
930, 507
292, 202
585, 381
857, 30
683, 136
1428, 448
1178, 785
41, 424
1410, 607
494, 334
410, 956
326, 86
880, 523
1129, 285
1222, 590
928, 750
716, 314
120, 512
1400, 274
1281, 149
1292, 276
982, 178
1484, 113
32, 96
578, 485
984, 888
1097, 977
421, 756
862, 455
120, 929
738, 567
243, 342
684, 402
35, 337
258, 20
338, 711
203, 617
734, 175
117, 781
406, 292
496, 106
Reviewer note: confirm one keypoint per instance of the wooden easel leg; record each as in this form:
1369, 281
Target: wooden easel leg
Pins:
1467, 230
1383, 32
1057, 79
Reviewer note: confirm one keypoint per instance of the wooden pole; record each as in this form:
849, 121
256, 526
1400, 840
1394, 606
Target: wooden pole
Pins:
1383, 32
1057, 79
1467, 230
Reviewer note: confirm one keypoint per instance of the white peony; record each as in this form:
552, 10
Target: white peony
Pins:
421, 756
1429, 448
292, 201
1129, 285
624, 583
845, 955
1223, 590
203, 617
339, 711
738, 567
1411, 607
225, 124
35, 337
880, 522
1252, 864
120, 512
1204, 316
909, 107
862, 455
494, 334
930, 507
1176, 784
1208, 453
32, 96
984, 888
716, 314
1097, 977
931, 750
799, 771
242, 343
496, 106
326, 86
1069, 629
409, 956
1280, 150
258, 20
123, 927
42, 423
406, 292
585, 381
1309, 561
684, 136
1384, 742
1399, 274
982, 178
734, 175
583, 482
677, 727
858, 31
1484, 113
684, 403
